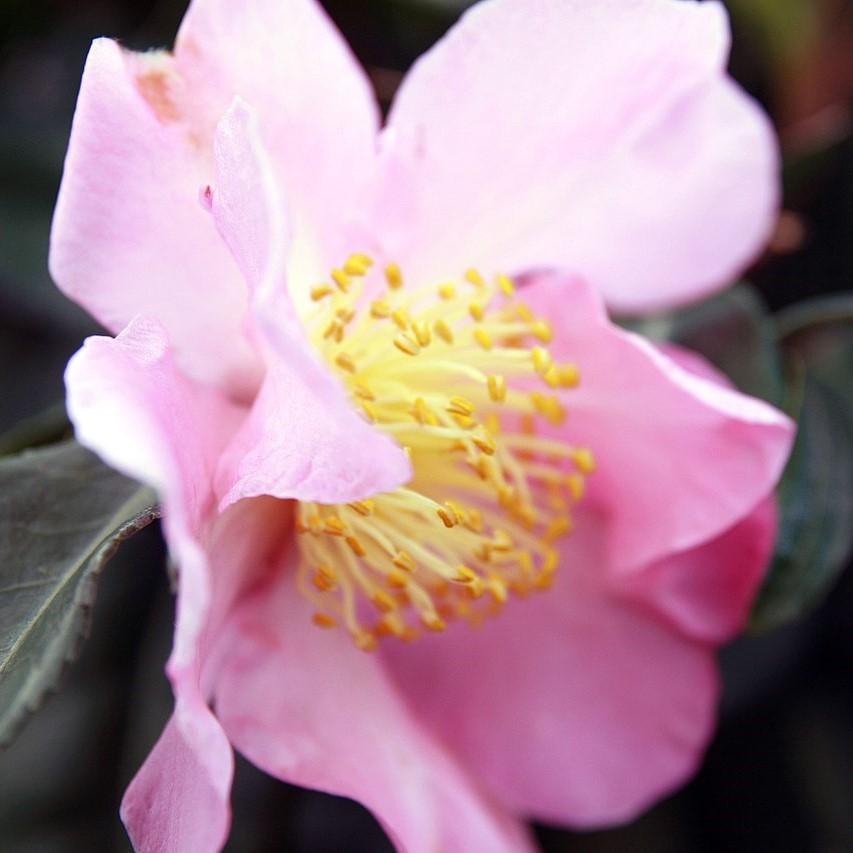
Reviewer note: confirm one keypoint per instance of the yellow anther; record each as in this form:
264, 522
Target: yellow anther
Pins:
583, 458
345, 362
369, 411
324, 578
465, 575
525, 562
403, 561
393, 276
456, 510
541, 360
333, 525
552, 376
401, 318
576, 485
362, 391
569, 375
345, 315
433, 622
549, 407
357, 265
397, 579
476, 310
380, 309
497, 589
482, 337
443, 331
557, 528
362, 507
484, 442
365, 640
334, 331
502, 541
524, 313
422, 333
542, 331
474, 520
355, 546
474, 277
342, 280
465, 422
447, 291
551, 561
447, 517
506, 285
406, 344
422, 413
323, 620
460, 406
321, 291
543, 581
382, 601
497, 388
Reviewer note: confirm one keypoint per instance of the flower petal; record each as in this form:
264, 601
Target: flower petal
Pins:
303, 438
708, 590
603, 138
129, 235
175, 803
306, 706
680, 458
317, 111
573, 705
130, 404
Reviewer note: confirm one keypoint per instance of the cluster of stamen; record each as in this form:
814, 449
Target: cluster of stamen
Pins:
459, 374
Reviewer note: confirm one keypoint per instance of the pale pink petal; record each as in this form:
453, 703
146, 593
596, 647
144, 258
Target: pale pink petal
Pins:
599, 137
174, 804
680, 458
308, 707
317, 112
708, 590
131, 405
129, 235
303, 438
572, 705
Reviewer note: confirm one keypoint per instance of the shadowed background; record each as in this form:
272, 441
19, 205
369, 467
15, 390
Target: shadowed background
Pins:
779, 775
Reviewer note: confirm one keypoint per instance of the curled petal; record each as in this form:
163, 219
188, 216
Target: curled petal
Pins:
680, 459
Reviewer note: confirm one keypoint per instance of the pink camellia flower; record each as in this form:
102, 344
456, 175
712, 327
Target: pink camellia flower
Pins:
369, 371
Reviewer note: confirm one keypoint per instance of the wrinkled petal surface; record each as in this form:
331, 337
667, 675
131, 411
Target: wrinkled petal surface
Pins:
308, 707
600, 137
680, 458
575, 705
129, 235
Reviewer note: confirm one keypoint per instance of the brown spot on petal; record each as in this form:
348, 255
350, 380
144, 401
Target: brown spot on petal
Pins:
154, 84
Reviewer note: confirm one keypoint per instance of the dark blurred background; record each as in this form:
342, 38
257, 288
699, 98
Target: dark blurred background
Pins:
779, 775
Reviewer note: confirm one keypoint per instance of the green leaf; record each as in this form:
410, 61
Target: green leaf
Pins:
733, 331
63, 514
816, 493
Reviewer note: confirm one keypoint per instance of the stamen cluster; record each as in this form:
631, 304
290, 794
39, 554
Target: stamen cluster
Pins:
460, 376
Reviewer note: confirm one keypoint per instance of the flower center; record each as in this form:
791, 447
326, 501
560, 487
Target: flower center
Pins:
460, 376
